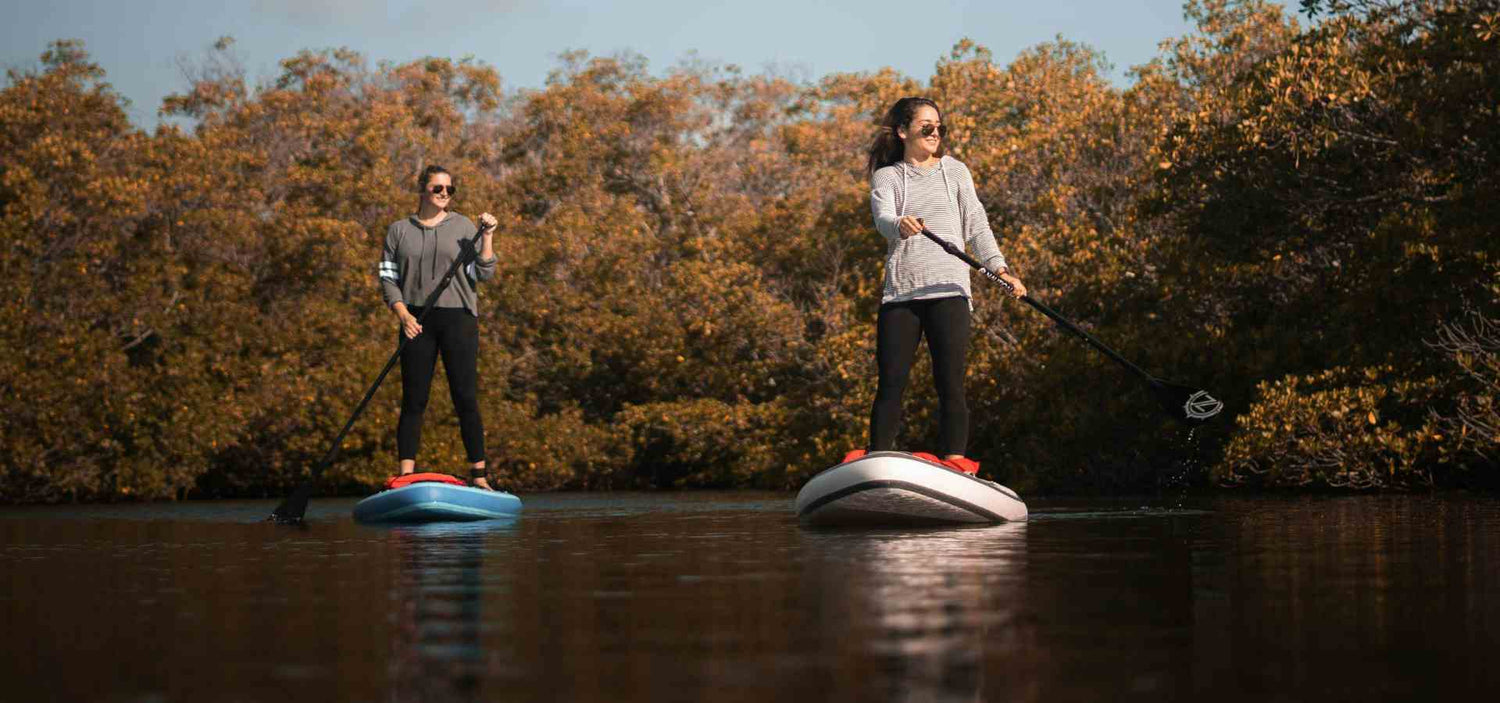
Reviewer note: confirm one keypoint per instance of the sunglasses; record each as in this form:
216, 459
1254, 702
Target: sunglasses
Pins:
927, 129
438, 190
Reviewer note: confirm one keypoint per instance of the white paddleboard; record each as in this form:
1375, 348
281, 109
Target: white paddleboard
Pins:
898, 489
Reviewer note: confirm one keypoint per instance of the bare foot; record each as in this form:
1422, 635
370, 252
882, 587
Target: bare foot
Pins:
481, 483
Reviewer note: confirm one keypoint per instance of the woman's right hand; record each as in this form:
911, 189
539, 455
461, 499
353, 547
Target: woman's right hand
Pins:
909, 226
409, 324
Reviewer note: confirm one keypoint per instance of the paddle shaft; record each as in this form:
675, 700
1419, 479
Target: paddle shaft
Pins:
1049, 312
295, 505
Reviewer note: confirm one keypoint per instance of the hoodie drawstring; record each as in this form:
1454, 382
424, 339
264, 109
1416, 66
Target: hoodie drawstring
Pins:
943, 169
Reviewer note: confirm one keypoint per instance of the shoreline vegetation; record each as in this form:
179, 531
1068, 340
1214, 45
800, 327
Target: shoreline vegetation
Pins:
1298, 212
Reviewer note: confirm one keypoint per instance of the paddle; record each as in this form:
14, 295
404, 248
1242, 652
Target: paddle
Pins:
1184, 403
291, 510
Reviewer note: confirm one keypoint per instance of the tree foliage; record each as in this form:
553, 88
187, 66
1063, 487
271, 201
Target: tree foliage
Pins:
1298, 218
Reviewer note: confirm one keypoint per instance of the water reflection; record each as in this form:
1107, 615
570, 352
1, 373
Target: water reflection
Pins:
437, 610
920, 610
689, 597
1393, 596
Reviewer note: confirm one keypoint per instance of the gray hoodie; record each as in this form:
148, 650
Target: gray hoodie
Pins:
943, 196
416, 257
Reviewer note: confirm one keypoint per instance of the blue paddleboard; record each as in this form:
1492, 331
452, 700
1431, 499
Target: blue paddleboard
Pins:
436, 502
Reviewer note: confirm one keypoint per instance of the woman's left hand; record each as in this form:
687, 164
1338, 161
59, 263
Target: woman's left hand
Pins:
487, 222
1017, 288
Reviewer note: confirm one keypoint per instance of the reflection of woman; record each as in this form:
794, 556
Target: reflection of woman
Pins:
418, 252
437, 611
914, 185
923, 614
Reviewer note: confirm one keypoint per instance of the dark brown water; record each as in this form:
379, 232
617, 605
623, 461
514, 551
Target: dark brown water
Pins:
685, 597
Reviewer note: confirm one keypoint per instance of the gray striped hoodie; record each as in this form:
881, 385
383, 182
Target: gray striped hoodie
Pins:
416, 257
943, 196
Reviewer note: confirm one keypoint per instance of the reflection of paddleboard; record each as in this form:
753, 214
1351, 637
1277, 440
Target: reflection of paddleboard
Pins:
896, 488
430, 501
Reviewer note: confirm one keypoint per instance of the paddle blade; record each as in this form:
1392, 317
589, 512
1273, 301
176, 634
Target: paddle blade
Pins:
1185, 403
292, 509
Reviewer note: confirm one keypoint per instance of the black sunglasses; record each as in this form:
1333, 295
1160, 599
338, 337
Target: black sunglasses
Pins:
438, 190
927, 129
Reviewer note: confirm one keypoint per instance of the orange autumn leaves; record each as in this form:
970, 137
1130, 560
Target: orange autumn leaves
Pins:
689, 275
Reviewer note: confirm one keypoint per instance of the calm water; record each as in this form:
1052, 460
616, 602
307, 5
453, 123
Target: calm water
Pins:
668, 597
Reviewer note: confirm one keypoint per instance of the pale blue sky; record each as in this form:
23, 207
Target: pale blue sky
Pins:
141, 44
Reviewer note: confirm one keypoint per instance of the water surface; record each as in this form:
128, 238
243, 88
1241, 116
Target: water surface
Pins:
697, 596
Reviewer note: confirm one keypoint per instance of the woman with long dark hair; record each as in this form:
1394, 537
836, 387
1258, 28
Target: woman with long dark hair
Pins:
418, 252
915, 185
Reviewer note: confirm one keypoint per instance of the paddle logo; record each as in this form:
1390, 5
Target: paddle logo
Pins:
1201, 406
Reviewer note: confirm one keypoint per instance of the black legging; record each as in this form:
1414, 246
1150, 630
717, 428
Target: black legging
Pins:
899, 328
454, 333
